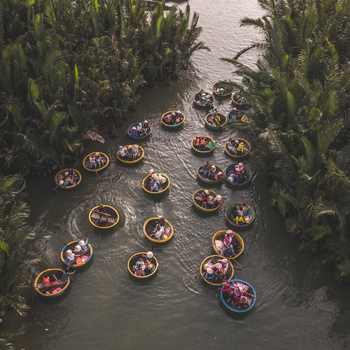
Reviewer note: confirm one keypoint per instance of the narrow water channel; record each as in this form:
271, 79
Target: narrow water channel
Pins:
299, 304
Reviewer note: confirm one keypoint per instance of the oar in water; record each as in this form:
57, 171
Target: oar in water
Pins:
237, 263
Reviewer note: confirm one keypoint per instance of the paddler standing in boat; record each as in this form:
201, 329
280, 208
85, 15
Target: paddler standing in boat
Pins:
198, 97
226, 290
66, 273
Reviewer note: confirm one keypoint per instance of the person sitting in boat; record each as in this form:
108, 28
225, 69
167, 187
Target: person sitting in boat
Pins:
138, 268
46, 281
129, 153
224, 267
205, 197
99, 160
167, 118
145, 127
206, 99
135, 151
53, 280
212, 173
210, 202
121, 153
65, 274
205, 169
217, 274
226, 290
78, 252
220, 176
228, 252
161, 221
92, 161
241, 148
209, 274
149, 262
70, 256
133, 132
69, 177
239, 169
198, 97
178, 118
84, 243
154, 183
230, 147
197, 143
217, 200
211, 144
221, 90
232, 115
60, 182
203, 144
158, 232
139, 129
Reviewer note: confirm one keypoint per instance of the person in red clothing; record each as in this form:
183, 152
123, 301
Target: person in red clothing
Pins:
203, 143
53, 280
217, 200
161, 221
220, 176
226, 290
46, 281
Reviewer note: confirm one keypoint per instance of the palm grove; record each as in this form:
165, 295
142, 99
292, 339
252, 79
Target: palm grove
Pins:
300, 104
65, 66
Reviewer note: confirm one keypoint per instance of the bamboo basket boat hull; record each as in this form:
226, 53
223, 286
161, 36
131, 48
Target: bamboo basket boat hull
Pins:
47, 273
134, 259
250, 212
248, 175
71, 246
227, 94
241, 156
147, 226
132, 161
247, 105
203, 152
213, 259
219, 127
144, 185
68, 187
207, 181
198, 206
251, 290
139, 137
236, 236
168, 126
248, 121
199, 105
109, 222
86, 161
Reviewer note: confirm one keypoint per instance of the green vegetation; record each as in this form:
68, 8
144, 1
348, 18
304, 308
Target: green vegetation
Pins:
65, 65
300, 93
16, 253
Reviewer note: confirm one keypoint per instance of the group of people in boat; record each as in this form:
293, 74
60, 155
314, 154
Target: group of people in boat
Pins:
173, 118
208, 201
156, 181
239, 215
214, 119
236, 294
129, 153
204, 99
144, 265
203, 143
80, 253
69, 178
52, 285
223, 89
236, 115
241, 99
211, 172
215, 273
142, 129
96, 161
228, 246
236, 175
236, 147
162, 230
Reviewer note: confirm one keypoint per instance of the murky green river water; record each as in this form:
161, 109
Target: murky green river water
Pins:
299, 305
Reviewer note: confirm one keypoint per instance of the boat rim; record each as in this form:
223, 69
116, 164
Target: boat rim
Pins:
172, 126
105, 166
159, 192
154, 240
215, 284
142, 277
104, 228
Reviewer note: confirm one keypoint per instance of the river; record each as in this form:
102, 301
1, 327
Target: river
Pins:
299, 304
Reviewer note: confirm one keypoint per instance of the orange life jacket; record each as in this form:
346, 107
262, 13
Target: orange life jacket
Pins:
46, 281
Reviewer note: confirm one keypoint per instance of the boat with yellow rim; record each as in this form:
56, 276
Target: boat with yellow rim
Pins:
212, 124
240, 100
17, 182
217, 178
147, 185
139, 155
79, 262
243, 179
239, 143
104, 220
210, 262
204, 150
178, 116
135, 125
222, 89
150, 225
198, 201
237, 242
137, 269
235, 218
93, 160
206, 101
63, 176
51, 291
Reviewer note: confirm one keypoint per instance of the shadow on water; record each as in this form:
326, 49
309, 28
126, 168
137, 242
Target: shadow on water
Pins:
157, 198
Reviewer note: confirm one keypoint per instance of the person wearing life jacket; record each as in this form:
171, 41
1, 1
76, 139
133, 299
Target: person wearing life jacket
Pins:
56, 290
46, 281
203, 144
241, 148
239, 220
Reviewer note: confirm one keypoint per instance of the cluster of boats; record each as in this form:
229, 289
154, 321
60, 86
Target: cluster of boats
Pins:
217, 270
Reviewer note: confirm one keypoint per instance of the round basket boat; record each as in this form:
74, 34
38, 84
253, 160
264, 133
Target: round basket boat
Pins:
104, 162
136, 257
173, 126
79, 262
198, 201
147, 187
200, 150
231, 213
238, 244
51, 291
61, 174
249, 292
226, 92
246, 175
239, 117
138, 137
247, 149
235, 99
200, 103
19, 184
150, 225
208, 181
140, 155
213, 259
223, 121
110, 218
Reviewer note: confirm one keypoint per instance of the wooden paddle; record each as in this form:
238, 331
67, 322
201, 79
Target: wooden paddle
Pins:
254, 296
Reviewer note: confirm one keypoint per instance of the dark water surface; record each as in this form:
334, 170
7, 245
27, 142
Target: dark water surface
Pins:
299, 305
